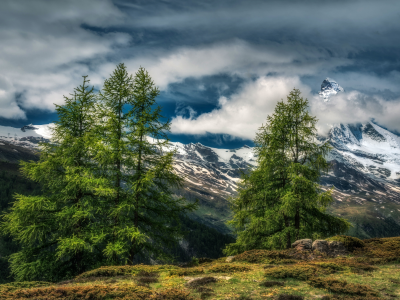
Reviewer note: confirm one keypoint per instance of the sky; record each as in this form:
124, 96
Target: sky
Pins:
221, 65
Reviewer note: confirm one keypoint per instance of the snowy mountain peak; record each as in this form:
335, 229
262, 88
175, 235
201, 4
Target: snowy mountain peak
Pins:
329, 87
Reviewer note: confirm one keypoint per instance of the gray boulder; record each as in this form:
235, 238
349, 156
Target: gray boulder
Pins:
337, 248
303, 245
321, 246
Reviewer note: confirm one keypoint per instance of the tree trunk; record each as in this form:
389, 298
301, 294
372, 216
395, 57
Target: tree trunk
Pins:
297, 223
288, 238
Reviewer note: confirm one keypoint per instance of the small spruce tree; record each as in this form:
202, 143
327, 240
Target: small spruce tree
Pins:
56, 228
142, 212
280, 200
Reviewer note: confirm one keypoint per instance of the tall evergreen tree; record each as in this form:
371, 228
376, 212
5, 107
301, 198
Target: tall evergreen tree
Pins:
143, 214
280, 200
55, 229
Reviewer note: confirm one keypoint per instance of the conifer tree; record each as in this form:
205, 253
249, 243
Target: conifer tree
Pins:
141, 210
56, 229
280, 200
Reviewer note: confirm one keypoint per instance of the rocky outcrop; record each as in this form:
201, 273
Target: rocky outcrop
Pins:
306, 248
302, 245
337, 248
230, 259
321, 246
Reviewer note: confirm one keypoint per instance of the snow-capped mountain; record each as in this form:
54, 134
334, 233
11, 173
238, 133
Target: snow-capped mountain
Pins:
365, 172
329, 87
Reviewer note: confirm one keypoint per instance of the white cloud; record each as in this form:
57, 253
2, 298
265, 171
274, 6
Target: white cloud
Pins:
236, 57
8, 106
45, 49
241, 114
355, 107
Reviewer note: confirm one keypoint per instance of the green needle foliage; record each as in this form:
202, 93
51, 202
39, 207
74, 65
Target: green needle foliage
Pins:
55, 229
141, 211
281, 201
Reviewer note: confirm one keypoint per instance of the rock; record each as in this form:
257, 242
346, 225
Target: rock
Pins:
337, 248
302, 245
230, 259
320, 246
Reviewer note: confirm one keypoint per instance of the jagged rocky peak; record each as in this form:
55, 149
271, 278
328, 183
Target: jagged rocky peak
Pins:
28, 127
329, 87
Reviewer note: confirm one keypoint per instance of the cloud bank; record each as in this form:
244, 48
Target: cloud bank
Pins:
242, 114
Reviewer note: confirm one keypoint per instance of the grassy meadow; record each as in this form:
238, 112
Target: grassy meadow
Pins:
371, 272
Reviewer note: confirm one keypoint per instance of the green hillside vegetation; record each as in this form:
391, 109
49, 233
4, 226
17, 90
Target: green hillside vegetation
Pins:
367, 273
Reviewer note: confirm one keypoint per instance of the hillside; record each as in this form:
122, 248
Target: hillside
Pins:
368, 272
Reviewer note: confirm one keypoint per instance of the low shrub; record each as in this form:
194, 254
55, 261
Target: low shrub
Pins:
269, 283
112, 271
278, 261
342, 287
201, 281
203, 260
289, 297
351, 243
380, 250
170, 294
243, 297
144, 278
23, 284
302, 272
187, 271
347, 297
259, 256
204, 292
227, 268
79, 292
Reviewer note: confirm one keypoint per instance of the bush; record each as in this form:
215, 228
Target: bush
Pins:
347, 297
227, 268
338, 286
187, 271
80, 292
278, 261
259, 256
144, 278
23, 284
111, 271
341, 264
351, 243
272, 283
170, 294
302, 272
289, 297
380, 250
201, 281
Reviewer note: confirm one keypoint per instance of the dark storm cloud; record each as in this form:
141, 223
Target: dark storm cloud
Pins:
206, 56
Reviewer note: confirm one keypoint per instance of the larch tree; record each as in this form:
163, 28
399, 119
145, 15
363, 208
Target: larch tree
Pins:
55, 230
280, 200
142, 211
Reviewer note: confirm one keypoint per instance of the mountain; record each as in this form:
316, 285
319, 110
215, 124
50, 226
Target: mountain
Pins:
329, 87
365, 173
